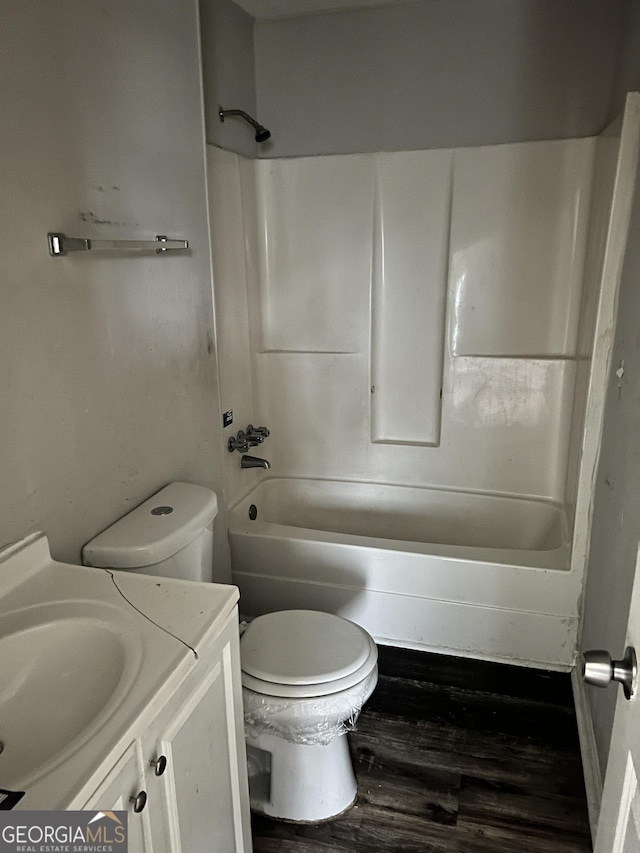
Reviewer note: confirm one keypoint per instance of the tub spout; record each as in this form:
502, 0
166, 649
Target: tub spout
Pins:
254, 462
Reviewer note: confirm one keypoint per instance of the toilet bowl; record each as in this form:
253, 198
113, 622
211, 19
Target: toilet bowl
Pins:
305, 674
305, 677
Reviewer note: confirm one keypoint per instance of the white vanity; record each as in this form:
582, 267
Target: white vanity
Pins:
122, 691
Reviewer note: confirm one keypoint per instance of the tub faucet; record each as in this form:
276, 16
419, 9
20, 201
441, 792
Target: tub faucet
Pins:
254, 462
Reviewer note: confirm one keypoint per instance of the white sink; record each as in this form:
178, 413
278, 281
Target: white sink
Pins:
87, 657
65, 668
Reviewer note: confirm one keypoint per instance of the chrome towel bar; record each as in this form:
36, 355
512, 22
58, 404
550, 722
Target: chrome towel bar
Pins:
60, 245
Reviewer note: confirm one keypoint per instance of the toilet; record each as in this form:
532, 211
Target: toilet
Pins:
305, 674
305, 677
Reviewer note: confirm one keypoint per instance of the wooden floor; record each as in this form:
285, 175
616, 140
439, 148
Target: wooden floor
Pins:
456, 756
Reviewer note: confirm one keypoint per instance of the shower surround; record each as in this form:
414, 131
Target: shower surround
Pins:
424, 320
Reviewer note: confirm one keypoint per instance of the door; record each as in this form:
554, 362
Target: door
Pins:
200, 734
124, 790
611, 490
619, 822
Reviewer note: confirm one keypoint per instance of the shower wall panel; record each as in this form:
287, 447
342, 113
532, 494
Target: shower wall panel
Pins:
409, 290
604, 172
315, 252
232, 235
504, 424
520, 214
355, 328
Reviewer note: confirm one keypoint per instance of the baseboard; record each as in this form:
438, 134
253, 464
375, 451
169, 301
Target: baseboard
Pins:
588, 749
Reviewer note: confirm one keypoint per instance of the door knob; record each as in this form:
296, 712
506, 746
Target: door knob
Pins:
598, 669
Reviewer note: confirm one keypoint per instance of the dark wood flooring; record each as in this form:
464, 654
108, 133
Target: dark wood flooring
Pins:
456, 756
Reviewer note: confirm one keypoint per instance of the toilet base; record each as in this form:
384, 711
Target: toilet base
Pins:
306, 822
300, 783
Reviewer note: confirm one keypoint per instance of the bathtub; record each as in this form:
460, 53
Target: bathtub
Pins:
458, 572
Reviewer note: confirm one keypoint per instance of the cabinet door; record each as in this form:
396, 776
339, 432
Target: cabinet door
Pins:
206, 807
123, 782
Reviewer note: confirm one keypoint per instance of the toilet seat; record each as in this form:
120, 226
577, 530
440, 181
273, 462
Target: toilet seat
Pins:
307, 691
304, 653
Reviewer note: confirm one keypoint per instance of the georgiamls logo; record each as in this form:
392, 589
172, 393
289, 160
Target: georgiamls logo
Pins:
36, 832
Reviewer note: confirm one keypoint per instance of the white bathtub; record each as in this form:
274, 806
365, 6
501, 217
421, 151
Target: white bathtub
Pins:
459, 572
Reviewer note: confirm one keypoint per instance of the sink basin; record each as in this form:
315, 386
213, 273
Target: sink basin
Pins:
65, 668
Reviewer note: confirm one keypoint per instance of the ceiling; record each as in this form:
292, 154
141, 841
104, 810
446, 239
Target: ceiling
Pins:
265, 10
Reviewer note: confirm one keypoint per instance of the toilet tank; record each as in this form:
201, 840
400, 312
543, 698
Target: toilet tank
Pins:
170, 535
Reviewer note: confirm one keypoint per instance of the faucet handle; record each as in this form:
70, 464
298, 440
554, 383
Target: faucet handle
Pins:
239, 442
255, 431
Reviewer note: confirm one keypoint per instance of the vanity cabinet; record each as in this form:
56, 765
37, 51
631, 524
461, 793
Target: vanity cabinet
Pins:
183, 779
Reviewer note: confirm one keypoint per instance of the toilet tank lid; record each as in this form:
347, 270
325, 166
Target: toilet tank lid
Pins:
155, 530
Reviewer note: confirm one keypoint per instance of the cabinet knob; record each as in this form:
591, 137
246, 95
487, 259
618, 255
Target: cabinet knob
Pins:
139, 802
159, 765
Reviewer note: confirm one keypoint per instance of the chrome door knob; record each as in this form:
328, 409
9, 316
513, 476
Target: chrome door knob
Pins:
598, 669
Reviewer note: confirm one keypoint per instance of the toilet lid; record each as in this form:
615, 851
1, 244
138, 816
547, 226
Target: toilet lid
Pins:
315, 691
303, 647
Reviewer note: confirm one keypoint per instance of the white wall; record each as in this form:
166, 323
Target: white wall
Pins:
228, 71
108, 372
443, 73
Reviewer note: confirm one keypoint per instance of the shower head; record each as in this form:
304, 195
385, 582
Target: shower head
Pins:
262, 134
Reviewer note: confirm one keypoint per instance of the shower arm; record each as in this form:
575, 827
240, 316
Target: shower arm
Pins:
262, 133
